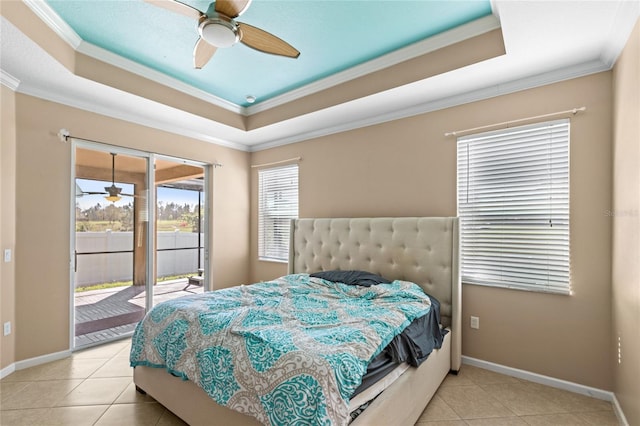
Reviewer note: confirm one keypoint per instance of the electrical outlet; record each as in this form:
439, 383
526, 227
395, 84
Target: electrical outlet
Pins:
7, 328
475, 322
619, 350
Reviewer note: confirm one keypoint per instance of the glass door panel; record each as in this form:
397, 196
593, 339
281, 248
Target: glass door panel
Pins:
179, 228
110, 244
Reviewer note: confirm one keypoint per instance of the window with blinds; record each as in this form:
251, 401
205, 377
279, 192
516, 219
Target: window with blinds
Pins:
277, 205
513, 204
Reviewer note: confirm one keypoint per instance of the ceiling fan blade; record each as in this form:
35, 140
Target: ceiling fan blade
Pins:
202, 53
265, 42
83, 193
177, 7
232, 8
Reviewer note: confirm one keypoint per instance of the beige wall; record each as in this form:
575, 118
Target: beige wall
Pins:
626, 227
43, 168
7, 221
407, 167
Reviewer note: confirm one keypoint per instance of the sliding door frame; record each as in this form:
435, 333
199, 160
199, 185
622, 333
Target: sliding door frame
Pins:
151, 216
208, 211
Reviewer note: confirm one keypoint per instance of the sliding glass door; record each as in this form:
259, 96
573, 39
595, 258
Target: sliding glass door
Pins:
138, 237
180, 222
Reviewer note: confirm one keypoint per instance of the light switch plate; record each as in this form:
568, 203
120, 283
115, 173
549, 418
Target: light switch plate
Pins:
475, 322
7, 255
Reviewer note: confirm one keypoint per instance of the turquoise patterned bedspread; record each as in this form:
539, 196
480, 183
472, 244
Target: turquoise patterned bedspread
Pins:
288, 352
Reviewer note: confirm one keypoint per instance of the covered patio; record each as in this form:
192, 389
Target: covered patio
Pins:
103, 315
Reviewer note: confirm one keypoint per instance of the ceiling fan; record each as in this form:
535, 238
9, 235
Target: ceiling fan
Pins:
113, 193
217, 28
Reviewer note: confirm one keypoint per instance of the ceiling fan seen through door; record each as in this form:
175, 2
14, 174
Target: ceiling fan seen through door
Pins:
217, 28
113, 193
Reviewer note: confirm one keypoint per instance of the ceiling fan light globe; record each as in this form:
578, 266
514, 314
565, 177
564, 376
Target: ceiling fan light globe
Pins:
113, 198
219, 32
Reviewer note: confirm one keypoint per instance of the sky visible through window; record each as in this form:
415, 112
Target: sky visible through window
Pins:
165, 195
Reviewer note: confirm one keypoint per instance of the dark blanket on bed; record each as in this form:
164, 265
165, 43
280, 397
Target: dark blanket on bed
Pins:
413, 346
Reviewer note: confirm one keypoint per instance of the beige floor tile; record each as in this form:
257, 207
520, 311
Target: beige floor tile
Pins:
438, 410
599, 418
44, 394
124, 352
38, 372
132, 415
456, 380
170, 419
95, 392
472, 402
115, 367
76, 416
569, 401
131, 396
27, 417
480, 376
504, 421
107, 350
73, 368
564, 419
7, 389
522, 399
100, 391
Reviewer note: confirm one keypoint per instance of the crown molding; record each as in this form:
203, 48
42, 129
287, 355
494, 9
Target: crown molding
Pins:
620, 31
431, 44
529, 82
158, 124
123, 63
463, 32
8, 80
518, 85
53, 21
60, 27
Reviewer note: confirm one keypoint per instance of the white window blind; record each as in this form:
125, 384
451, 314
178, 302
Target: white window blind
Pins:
277, 205
513, 204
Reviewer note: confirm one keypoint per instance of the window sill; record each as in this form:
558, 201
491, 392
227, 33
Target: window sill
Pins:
266, 259
542, 290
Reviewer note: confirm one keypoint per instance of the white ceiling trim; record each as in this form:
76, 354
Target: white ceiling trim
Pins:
431, 44
8, 80
128, 116
447, 102
57, 24
620, 31
463, 32
110, 58
405, 101
53, 21
555, 76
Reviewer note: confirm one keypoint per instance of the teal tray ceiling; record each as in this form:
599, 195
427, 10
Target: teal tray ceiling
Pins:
332, 36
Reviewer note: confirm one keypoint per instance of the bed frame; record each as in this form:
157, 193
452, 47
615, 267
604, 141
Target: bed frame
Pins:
421, 250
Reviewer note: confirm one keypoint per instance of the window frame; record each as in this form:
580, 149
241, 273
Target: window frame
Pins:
504, 241
275, 211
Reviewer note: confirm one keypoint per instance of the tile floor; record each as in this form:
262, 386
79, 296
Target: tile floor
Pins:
94, 387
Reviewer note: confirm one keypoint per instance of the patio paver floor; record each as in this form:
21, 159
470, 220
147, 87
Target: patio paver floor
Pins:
102, 311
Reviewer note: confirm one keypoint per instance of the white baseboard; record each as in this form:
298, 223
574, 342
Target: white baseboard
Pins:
7, 370
32, 362
618, 410
550, 381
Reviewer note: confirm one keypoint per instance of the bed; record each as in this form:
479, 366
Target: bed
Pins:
417, 250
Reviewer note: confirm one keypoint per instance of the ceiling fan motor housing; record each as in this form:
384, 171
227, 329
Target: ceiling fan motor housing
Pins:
218, 30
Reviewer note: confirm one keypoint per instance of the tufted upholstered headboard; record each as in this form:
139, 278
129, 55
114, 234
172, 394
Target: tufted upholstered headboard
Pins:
423, 250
